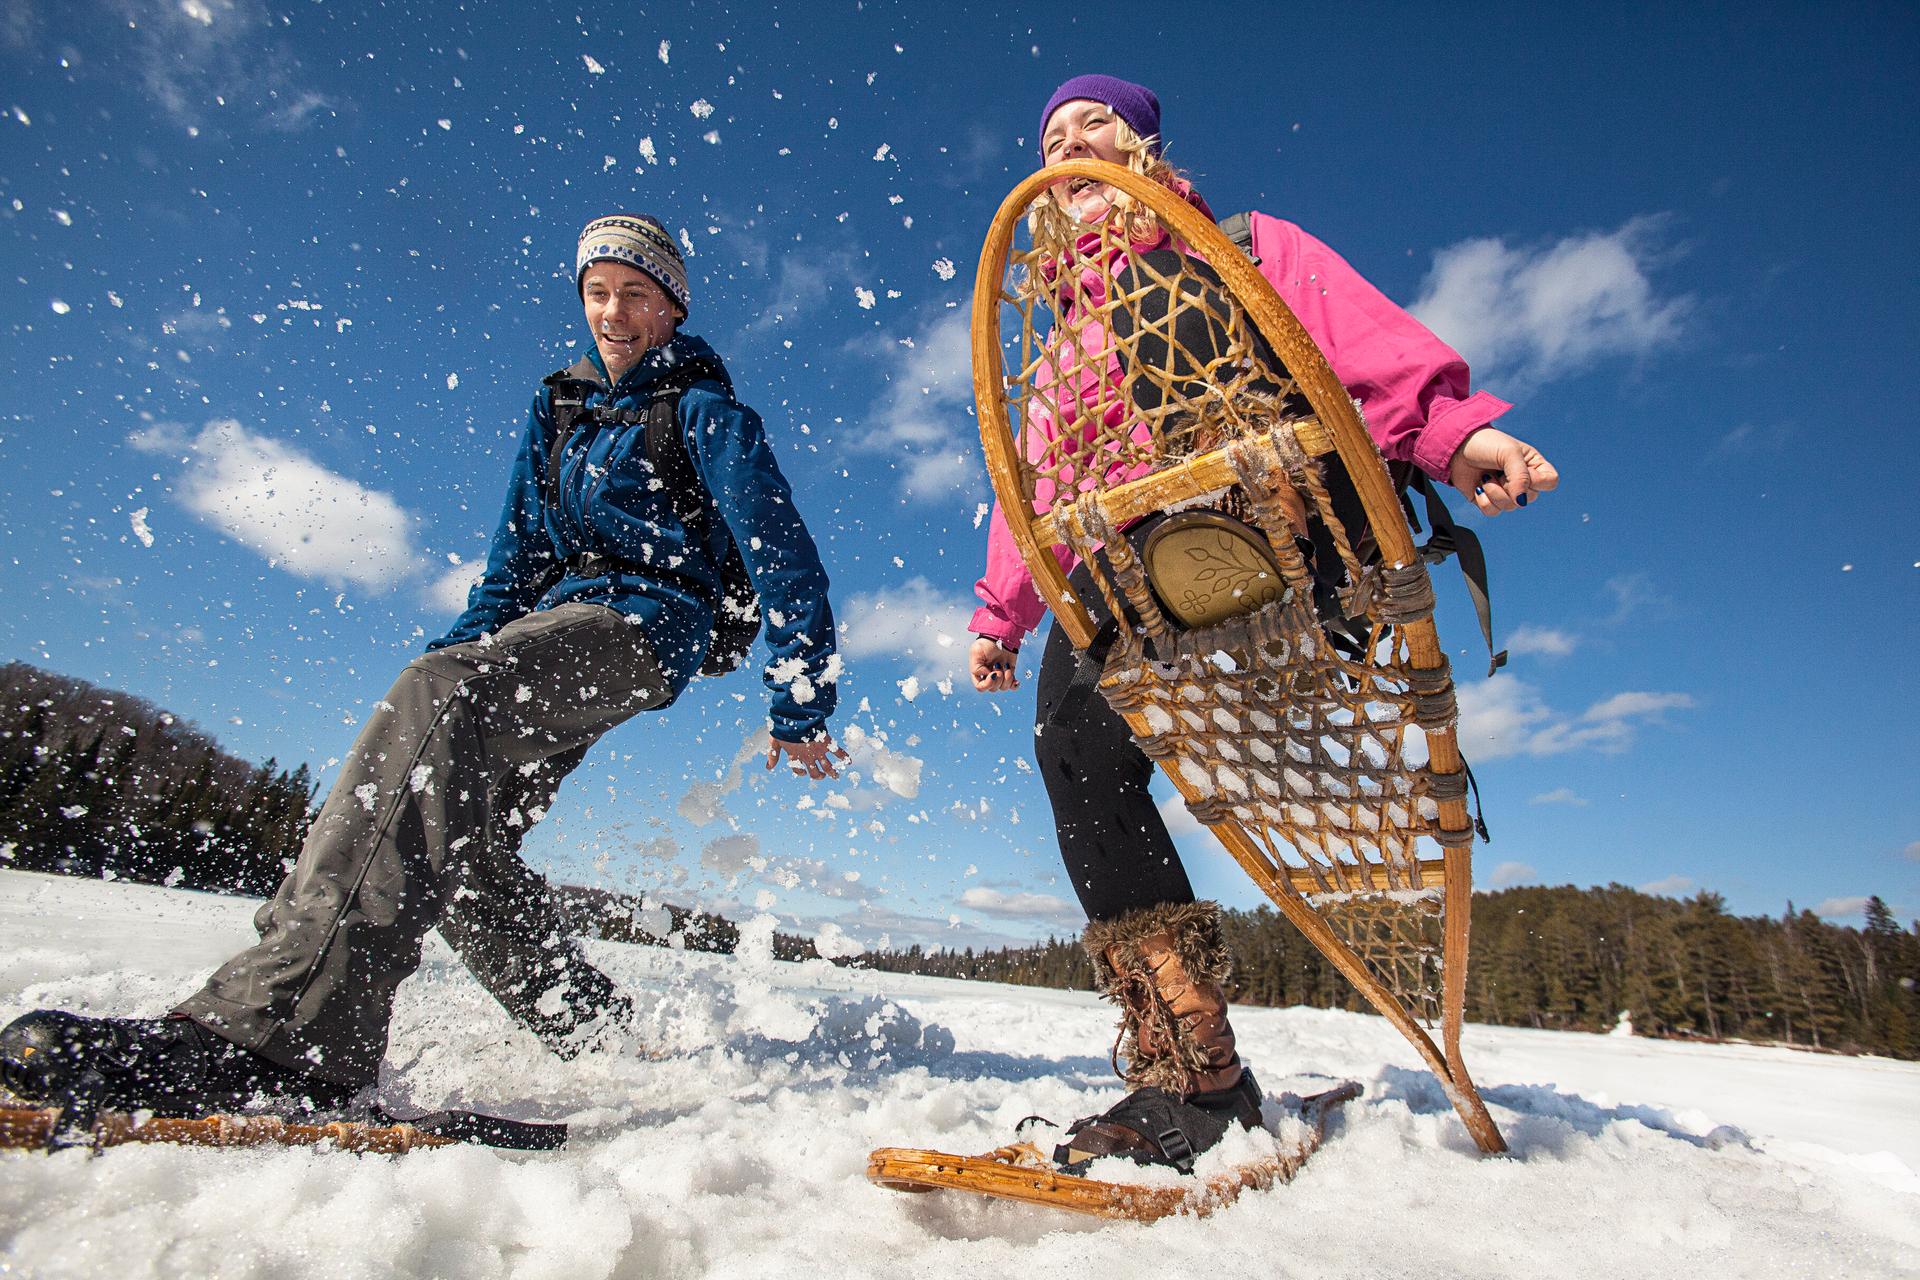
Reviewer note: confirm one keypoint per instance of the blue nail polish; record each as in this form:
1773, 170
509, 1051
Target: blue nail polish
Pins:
1479, 491
1523, 499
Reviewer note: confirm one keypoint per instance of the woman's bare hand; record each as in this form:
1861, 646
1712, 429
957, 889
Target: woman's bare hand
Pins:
1499, 473
991, 664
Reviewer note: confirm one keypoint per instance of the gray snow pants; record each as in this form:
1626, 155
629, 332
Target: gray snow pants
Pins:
422, 830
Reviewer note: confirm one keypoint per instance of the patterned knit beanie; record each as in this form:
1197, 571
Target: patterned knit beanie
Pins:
1133, 103
639, 242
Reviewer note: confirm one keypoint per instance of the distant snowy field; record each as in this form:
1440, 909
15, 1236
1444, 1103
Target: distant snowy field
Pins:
736, 1146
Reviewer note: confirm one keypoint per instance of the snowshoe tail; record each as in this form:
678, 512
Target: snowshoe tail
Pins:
44, 1129
1021, 1172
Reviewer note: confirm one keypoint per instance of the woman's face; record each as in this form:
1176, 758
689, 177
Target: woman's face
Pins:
1082, 130
628, 312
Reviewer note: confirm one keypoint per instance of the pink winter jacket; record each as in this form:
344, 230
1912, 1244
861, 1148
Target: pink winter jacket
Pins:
1412, 387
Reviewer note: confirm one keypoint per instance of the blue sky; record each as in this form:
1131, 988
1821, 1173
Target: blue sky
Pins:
331, 245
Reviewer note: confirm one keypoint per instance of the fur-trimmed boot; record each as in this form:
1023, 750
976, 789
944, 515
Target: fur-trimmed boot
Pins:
1165, 966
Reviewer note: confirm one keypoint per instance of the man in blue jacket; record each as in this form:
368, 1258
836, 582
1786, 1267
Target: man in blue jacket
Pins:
605, 589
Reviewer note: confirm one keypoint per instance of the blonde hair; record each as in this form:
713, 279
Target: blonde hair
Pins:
1054, 229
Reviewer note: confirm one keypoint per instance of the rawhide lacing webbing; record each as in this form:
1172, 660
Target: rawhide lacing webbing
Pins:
1398, 936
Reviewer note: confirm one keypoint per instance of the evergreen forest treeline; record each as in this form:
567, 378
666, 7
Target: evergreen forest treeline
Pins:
1576, 959
96, 782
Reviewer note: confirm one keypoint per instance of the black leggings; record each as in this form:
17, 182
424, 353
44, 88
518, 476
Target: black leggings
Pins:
1112, 838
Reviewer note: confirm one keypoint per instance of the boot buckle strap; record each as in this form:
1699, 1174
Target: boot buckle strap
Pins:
1175, 1147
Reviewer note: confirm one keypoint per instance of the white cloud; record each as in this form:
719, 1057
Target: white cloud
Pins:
878, 926
1626, 706
448, 592
1751, 438
1560, 795
1912, 852
1180, 820
924, 419
1549, 642
1841, 908
271, 497
1509, 874
1506, 716
916, 620
190, 54
1670, 887
1028, 906
1524, 315
802, 282
1633, 593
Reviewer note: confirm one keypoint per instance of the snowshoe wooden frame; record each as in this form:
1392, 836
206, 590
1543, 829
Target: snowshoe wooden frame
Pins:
24, 1126
1022, 1172
1293, 753
38, 1129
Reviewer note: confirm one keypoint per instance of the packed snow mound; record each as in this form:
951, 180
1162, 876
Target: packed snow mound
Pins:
728, 1136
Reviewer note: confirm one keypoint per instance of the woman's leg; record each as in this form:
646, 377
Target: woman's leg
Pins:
1112, 838
1157, 953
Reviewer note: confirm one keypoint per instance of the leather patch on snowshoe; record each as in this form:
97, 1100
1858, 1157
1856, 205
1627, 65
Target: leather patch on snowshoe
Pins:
1206, 567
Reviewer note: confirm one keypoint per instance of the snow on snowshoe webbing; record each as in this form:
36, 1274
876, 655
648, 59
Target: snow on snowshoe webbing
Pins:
1150, 405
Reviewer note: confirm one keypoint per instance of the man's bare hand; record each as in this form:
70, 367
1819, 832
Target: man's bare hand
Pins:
816, 759
1500, 473
991, 665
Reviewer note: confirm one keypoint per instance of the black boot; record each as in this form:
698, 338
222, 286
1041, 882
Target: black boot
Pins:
171, 1066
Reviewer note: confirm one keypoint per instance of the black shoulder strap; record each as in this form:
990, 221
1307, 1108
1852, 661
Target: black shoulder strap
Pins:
1448, 538
568, 390
1238, 228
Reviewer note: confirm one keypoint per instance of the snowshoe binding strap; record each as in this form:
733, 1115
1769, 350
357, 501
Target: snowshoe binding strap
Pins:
1148, 1126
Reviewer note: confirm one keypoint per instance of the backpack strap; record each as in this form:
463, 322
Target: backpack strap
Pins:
1447, 539
568, 390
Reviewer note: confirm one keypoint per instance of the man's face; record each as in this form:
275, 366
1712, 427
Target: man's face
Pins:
628, 311
1082, 130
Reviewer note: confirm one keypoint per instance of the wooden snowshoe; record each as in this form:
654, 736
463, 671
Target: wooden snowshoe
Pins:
1021, 1171
43, 1129
1152, 406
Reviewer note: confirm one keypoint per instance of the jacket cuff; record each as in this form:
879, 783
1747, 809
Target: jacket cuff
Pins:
985, 622
790, 726
1449, 426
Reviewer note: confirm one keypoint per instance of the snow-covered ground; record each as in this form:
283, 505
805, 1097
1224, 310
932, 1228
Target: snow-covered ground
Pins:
735, 1145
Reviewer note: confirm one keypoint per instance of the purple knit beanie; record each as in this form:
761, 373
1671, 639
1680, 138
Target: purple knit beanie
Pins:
1133, 103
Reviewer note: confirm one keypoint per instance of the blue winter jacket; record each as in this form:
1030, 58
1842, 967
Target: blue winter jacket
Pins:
609, 503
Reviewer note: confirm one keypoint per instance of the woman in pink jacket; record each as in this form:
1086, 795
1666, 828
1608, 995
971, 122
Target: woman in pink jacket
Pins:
1157, 952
